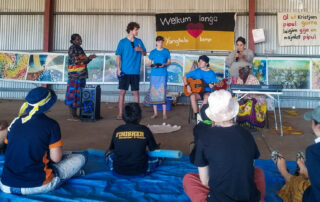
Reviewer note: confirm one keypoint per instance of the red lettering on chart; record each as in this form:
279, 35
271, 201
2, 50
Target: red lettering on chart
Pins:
285, 17
303, 30
309, 37
290, 24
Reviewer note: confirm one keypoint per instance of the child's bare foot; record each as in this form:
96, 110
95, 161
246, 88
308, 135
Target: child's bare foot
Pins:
154, 116
165, 117
303, 170
280, 162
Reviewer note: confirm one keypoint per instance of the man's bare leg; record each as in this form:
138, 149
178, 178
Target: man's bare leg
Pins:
121, 103
136, 96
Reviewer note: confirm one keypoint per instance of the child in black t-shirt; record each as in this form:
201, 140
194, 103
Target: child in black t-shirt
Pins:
127, 153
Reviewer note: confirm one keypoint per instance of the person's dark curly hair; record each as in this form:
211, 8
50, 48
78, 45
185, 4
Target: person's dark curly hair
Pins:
131, 26
240, 38
73, 37
132, 113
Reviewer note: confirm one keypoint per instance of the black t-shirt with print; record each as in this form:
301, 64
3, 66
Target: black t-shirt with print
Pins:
129, 143
229, 152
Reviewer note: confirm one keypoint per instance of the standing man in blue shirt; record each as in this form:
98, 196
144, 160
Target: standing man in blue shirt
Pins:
129, 52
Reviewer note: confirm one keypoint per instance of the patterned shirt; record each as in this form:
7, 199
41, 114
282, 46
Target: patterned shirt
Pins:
77, 68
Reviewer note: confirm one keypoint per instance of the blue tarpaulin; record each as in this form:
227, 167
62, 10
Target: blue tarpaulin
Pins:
165, 184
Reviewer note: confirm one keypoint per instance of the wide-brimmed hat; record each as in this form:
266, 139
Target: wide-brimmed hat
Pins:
222, 107
313, 115
39, 100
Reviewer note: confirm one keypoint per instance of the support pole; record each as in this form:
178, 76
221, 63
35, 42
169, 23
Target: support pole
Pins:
48, 26
48, 30
251, 23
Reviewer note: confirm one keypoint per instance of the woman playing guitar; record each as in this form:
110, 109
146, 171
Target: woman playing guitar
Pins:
207, 76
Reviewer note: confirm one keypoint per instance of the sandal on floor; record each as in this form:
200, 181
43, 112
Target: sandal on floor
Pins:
275, 155
298, 156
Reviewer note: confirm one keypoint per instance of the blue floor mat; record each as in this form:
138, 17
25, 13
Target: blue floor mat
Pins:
165, 184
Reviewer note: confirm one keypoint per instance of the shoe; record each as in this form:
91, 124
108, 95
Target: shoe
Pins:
275, 155
298, 156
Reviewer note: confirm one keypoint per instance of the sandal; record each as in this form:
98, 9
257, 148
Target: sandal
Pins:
275, 155
298, 156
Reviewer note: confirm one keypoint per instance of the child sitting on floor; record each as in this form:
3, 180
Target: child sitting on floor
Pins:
34, 160
127, 153
305, 185
3, 135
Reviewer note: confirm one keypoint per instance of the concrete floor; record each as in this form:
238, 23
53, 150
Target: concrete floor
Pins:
83, 135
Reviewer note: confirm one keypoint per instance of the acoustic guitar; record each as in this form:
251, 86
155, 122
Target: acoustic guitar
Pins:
198, 86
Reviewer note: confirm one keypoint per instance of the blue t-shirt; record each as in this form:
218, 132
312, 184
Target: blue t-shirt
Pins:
161, 57
130, 59
207, 76
27, 154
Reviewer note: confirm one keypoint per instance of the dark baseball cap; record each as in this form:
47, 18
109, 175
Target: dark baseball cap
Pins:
159, 38
204, 58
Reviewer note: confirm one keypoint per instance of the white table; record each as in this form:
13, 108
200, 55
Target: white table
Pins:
273, 95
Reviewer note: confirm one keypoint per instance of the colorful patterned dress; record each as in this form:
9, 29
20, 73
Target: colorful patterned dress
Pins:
77, 74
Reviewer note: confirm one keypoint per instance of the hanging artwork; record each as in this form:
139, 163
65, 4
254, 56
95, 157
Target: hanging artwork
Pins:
316, 74
175, 70
46, 68
290, 73
190, 63
259, 69
217, 65
95, 69
110, 68
13, 65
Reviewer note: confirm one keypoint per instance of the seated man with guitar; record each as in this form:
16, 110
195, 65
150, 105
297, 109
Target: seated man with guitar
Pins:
198, 84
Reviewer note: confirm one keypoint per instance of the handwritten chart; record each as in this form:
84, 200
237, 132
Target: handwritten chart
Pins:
299, 29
